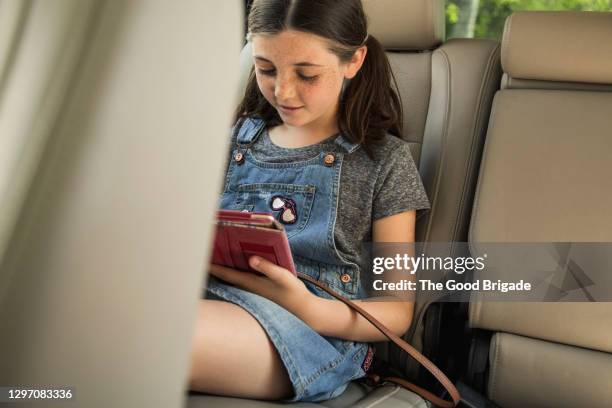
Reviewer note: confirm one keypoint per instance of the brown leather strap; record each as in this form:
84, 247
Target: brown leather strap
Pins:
435, 371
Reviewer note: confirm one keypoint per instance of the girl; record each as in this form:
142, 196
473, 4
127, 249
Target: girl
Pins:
317, 144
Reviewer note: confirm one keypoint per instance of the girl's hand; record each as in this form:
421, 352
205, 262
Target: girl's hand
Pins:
278, 284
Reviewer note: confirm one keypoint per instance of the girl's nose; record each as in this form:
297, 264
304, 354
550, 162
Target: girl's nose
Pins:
284, 89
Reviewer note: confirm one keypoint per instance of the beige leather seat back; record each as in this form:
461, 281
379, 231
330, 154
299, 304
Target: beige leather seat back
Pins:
111, 155
545, 177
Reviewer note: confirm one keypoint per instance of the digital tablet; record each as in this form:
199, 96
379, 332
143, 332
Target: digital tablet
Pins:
240, 235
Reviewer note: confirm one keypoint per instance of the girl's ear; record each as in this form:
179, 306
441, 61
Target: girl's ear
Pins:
354, 65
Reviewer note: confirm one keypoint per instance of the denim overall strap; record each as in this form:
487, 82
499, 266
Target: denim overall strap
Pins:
345, 144
250, 130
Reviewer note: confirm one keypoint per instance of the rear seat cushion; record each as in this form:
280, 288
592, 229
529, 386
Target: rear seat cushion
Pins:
526, 372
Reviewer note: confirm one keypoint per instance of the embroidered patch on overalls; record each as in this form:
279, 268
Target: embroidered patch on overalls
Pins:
287, 208
367, 362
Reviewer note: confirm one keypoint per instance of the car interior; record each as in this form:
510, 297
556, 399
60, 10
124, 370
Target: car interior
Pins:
511, 138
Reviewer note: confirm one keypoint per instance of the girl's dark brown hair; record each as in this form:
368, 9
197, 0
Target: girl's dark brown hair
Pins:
369, 107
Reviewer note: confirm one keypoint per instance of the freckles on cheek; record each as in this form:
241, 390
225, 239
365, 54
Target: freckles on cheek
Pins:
266, 89
327, 90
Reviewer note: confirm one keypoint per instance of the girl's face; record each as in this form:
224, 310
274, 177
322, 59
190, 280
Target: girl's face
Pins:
300, 77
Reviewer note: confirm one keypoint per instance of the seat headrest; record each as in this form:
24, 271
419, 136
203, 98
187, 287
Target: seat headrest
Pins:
406, 24
560, 46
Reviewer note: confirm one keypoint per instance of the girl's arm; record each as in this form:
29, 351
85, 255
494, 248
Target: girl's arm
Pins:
331, 317
335, 319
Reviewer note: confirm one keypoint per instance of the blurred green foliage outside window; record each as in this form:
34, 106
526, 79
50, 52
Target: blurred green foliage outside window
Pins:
485, 18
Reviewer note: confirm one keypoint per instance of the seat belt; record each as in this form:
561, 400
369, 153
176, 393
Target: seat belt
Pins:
375, 379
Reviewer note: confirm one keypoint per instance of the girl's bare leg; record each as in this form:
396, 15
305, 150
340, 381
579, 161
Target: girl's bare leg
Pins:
233, 356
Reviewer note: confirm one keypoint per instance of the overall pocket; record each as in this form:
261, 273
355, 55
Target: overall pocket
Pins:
290, 204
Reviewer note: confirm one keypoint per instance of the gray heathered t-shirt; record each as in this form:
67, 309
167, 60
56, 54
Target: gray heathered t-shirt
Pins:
369, 188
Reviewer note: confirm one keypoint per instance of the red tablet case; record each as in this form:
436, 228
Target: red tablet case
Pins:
240, 235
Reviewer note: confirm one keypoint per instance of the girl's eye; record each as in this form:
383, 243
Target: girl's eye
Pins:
268, 72
272, 72
308, 78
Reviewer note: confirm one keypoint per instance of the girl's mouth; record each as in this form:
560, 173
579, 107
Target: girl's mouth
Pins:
288, 109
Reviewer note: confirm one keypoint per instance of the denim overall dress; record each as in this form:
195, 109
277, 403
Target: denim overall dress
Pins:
303, 196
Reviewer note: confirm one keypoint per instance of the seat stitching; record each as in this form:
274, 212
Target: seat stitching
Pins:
481, 171
489, 69
437, 177
506, 39
496, 363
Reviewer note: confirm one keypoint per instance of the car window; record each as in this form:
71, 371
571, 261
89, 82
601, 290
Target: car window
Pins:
485, 18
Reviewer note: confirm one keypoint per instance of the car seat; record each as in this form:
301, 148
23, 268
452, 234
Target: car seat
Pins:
545, 178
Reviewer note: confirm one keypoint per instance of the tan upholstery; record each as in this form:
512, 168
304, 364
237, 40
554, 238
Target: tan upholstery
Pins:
466, 75
356, 396
539, 143
517, 83
533, 373
407, 25
574, 323
544, 177
111, 149
559, 46
413, 75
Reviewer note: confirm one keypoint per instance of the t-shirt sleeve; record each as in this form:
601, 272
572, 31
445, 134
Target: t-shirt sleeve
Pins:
398, 187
